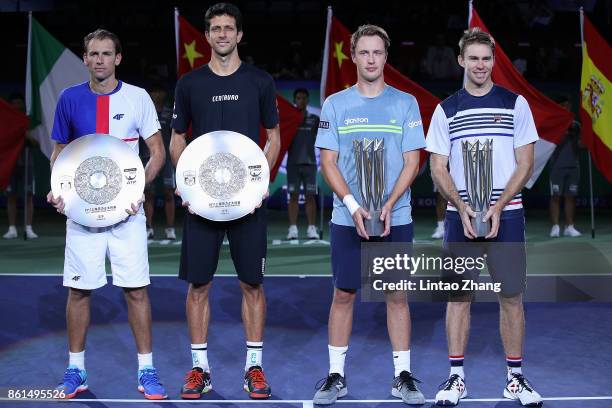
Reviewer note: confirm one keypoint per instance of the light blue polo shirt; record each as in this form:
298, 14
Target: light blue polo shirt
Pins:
392, 116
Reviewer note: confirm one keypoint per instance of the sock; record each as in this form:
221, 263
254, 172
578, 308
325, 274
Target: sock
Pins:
199, 356
77, 360
12, 228
456, 363
440, 224
401, 361
514, 365
145, 360
254, 354
337, 356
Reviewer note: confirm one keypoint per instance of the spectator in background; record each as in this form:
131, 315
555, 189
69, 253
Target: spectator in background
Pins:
18, 181
440, 61
164, 113
565, 176
302, 168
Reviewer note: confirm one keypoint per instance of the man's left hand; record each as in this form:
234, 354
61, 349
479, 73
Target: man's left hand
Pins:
135, 207
494, 215
266, 195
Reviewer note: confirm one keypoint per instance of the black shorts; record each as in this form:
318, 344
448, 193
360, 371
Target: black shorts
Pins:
564, 181
304, 174
202, 240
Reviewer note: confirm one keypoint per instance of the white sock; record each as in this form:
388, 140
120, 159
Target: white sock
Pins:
77, 359
145, 360
337, 355
254, 354
514, 370
440, 224
199, 356
458, 371
401, 361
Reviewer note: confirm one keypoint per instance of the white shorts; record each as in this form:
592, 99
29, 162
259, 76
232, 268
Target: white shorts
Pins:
124, 243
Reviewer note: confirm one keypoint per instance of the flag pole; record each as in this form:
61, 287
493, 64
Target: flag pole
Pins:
325, 55
26, 150
176, 37
589, 153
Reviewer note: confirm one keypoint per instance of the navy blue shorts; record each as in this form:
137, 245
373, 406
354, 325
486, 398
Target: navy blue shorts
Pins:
505, 254
346, 252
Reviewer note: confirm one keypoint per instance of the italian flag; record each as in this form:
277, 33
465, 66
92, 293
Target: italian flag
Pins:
51, 67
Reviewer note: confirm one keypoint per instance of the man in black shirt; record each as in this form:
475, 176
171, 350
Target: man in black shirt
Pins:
225, 94
302, 168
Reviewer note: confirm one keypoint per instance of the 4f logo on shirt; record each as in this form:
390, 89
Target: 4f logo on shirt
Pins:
118, 116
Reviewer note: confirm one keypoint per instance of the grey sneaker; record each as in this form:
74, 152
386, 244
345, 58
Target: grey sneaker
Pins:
330, 389
404, 387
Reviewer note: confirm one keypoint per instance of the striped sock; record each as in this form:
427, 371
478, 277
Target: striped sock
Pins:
199, 356
254, 354
456, 363
514, 365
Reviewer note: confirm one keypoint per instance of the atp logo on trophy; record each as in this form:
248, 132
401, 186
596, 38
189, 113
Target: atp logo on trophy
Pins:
189, 177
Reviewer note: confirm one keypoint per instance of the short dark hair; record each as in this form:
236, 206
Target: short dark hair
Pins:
221, 9
369, 30
301, 90
475, 36
102, 34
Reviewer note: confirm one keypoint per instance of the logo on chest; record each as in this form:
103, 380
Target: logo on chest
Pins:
118, 116
224, 98
354, 121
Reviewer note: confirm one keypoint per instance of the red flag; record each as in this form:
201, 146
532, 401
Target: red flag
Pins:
339, 72
12, 137
551, 120
595, 111
193, 51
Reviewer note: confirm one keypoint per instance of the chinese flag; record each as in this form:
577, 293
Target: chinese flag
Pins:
339, 72
595, 102
193, 51
12, 137
551, 120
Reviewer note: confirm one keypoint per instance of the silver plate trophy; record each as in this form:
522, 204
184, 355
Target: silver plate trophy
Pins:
478, 171
99, 176
370, 167
223, 174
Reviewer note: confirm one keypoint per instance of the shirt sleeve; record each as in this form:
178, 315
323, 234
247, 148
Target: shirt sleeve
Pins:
149, 122
61, 132
413, 137
438, 137
525, 131
181, 115
268, 107
327, 136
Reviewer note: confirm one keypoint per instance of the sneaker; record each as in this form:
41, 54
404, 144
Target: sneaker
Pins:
293, 232
150, 233
404, 387
30, 234
570, 231
518, 388
255, 383
451, 391
311, 232
74, 381
330, 389
438, 232
170, 233
149, 385
11, 233
197, 382
554, 231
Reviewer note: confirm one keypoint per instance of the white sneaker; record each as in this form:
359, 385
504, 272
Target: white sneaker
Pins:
30, 234
311, 232
554, 231
170, 233
150, 233
570, 231
518, 388
438, 232
11, 233
293, 232
451, 391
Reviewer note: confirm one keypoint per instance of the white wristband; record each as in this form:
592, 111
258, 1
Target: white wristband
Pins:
351, 203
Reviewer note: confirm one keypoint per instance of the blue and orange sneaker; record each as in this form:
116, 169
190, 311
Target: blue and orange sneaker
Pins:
149, 385
74, 381
255, 383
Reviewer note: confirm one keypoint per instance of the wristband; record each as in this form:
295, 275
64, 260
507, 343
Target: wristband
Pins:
350, 203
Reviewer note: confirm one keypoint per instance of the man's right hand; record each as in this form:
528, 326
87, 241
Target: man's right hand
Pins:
358, 217
466, 214
185, 203
57, 203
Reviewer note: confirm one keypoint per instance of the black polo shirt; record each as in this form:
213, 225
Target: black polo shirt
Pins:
239, 102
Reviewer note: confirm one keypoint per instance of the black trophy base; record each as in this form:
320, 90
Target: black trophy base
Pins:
374, 226
481, 229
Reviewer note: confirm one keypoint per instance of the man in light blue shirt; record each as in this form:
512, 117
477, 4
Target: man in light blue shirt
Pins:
373, 110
